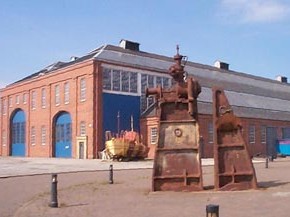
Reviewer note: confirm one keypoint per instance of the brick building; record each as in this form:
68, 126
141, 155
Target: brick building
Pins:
262, 104
65, 109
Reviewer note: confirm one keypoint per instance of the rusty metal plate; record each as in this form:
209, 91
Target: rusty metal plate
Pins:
177, 164
178, 134
173, 171
233, 168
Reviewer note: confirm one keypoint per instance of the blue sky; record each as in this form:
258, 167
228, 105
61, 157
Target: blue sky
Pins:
251, 35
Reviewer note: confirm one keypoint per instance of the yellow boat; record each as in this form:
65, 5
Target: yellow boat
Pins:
127, 146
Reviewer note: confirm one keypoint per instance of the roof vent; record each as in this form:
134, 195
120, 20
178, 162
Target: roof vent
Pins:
73, 58
130, 45
53, 66
282, 79
221, 65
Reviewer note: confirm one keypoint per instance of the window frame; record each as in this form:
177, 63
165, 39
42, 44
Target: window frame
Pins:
10, 101
107, 79
33, 100
24, 99
57, 95
210, 132
285, 131
252, 134
43, 98
66, 88
263, 134
32, 136
133, 79
4, 104
83, 89
4, 138
83, 128
116, 80
119, 80
17, 100
153, 135
125, 81
43, 135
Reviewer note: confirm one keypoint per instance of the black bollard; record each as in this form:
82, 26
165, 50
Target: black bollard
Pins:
212, 210
111, 181
267, 162
53, 200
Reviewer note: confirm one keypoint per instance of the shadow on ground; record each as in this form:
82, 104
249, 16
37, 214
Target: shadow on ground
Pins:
271, 184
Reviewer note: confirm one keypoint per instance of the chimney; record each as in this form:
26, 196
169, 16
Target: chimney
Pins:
281, 79
130, 45
221, 65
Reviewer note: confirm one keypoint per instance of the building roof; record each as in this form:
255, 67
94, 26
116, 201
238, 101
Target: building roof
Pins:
248, 94
59, 65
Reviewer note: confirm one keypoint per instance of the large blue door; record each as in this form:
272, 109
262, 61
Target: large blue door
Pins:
63, 136
18, 134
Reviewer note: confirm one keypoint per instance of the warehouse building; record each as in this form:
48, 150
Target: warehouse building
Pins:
65, 109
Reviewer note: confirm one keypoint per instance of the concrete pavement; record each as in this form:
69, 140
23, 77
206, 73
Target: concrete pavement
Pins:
14, 166
88, 194
84, 190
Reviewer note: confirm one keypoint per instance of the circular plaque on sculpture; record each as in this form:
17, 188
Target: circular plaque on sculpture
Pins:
178, 132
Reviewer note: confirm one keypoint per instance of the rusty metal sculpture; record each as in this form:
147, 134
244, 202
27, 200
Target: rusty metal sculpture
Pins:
233, 168
177, 164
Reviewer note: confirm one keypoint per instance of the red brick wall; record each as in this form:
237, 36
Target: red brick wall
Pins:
207, 150
145, 130
79, 111
98, 121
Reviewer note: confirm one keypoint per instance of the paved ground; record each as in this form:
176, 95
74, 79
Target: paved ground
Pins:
11, 167
89, 194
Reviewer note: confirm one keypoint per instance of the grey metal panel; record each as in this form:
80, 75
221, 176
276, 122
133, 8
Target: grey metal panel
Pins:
255, 101
205, 107
248, 100
219, 78
244, 112
245, 88
134, 60
205, 95
261, 114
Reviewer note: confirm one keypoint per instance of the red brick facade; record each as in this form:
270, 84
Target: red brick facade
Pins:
44, 115
258, 147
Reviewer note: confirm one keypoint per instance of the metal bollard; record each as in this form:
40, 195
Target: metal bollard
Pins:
212, 210
53, 200
111, 181
267, 162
